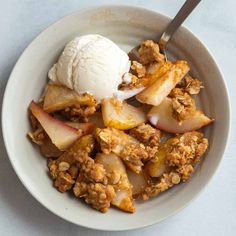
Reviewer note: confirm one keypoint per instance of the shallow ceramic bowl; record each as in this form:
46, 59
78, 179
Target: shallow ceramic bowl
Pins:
127, 26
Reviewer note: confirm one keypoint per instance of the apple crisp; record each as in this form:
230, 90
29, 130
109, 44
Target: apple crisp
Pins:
111, 151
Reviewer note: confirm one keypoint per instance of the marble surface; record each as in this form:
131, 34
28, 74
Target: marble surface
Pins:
213, 212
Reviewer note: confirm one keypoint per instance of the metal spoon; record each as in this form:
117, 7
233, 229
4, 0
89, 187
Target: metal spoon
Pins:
183, 13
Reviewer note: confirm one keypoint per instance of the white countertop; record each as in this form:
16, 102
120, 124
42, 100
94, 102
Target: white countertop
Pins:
213, 212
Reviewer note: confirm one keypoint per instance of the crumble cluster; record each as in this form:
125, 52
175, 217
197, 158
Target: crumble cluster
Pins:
183, 152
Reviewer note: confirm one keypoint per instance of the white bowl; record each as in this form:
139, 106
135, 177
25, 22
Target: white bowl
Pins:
127, 26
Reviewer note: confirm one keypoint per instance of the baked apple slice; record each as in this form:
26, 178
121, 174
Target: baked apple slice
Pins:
121, 115
161, 117
118, 178
161, 87
61, 135
58, 97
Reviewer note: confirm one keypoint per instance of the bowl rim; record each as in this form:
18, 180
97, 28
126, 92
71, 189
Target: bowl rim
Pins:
10, 81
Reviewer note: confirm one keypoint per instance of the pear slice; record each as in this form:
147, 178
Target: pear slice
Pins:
138, 181
60, 134
87, 128
119, 179
121, 115
157, 166
58, 97
157, 70
161, 117
162, 86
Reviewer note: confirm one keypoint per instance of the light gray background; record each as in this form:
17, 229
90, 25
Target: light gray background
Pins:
213, 212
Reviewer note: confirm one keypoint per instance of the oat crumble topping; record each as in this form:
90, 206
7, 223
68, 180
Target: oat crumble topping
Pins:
183, 104
65, 169
97, 195
130, 150
149, 52
191, 85
183, 152
146, 134
76, 113
138, 69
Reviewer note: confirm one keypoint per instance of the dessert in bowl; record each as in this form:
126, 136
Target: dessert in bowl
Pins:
101, 147
121, 132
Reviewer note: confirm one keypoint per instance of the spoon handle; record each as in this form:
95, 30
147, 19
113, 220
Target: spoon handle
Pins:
183, 13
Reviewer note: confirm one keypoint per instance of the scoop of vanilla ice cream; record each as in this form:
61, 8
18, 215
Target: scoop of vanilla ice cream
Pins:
93, 64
